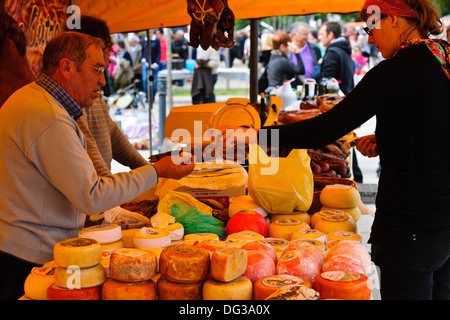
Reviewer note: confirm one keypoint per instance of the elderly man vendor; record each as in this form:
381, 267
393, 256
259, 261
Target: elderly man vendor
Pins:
48, 183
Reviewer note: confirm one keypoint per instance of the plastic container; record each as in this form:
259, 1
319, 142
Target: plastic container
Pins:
287, 94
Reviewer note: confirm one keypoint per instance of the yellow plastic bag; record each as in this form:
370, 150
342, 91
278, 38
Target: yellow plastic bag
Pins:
280, 185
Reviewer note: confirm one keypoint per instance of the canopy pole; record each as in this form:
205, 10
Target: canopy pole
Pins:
150, 78
254, 57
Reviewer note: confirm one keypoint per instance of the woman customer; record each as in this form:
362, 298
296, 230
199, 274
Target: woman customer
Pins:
409, 94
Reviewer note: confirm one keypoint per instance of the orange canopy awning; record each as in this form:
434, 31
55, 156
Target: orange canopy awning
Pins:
136, 15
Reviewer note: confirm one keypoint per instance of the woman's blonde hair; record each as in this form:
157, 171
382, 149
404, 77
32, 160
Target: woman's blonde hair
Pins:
427, 21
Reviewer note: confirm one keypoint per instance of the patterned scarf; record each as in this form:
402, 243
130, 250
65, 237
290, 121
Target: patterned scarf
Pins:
439, 48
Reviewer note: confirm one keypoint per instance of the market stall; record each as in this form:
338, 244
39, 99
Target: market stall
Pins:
227, 231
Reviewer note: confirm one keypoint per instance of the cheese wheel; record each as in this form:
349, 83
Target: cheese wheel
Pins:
228, 264
110, 247
247, 220
127, 237
176, 231
343, 235
262, 246
340, 196
80, 252
151, 238
297, 215
119, 290
106, 258
299, 263
355, 212
79, 278
344, 285
276, 243
169, 290
212, 245
284, 228
315, 242
201, 236
132, 265
242, 203
265, 286
294, 292
184, 263
324, 213
235, 242
104, 233
334, 223
352, 248
259, 264
245, 235
343, 262
240, 288
38, 281
309, 246
304, 234
57, 293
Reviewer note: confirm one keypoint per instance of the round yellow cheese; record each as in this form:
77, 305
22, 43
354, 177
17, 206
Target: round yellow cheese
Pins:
110, 247
104, 233
81, 252
151, 238
284, 228
240, 288
176, 231
309, 234
337, 222
245, 235
340, 196
201, 236
355, 212
343, 235
297, 215
79, 278
38, 281
245, 202
315, 242
319, 214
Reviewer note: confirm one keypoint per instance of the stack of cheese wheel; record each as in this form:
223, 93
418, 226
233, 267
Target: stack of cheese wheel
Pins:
265, 286
151, 238
284, 228
38, 281
227, 281
333, 220
343, 285
131, 272
247, 220
341, 197
183, 270
108, 235
80, 273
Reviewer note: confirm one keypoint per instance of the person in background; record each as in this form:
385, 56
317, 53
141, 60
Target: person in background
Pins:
410, 234
266, 47
337, 61
154, 62
48, 181
135, 49
180, 50
105, 141
123, 73
280, 68
309, 52
314, 38
205, 76
163, 44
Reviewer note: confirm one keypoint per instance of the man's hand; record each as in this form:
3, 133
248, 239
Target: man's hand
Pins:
367, 145
175, 167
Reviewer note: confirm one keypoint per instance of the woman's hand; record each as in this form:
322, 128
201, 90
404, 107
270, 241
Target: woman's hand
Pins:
367, 146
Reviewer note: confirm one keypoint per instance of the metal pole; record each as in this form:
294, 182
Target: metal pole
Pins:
149, 91
253, 63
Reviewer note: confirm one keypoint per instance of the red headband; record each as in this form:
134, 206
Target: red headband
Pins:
392, 7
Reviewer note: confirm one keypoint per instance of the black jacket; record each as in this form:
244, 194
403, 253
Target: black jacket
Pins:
280, 68
410, 96
338, 63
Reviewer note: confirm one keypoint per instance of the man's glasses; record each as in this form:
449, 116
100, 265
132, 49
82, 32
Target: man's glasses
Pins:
370, 27
99, 70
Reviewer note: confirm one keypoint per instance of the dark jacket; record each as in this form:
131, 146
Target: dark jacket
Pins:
280, 68
412, 197
338, 63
